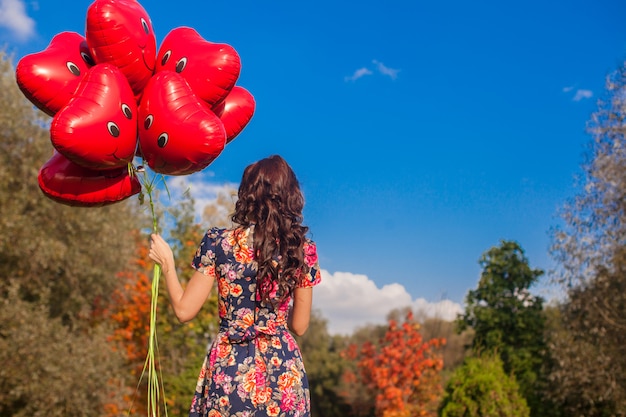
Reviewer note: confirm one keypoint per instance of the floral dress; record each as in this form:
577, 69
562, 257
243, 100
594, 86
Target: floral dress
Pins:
254, 366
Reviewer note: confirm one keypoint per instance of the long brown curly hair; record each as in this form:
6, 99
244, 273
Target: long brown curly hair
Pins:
270, 198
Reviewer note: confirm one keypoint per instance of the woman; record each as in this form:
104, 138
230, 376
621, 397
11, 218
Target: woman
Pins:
265, 270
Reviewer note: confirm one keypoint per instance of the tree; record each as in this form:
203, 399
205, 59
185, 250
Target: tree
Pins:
595, 219
590, 248
44, 245
58, 266
586, 374
361, 398
39, 353
481, 388
403, 371
454, 351
129, 314
183, 347
218, 211
508, 319
324, 365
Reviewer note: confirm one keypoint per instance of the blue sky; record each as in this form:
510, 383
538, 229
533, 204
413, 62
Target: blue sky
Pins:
422, 132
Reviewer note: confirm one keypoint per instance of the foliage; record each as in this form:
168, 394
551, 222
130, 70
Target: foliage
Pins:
50, 370
586, 375
481, 388
183, 347
129, 315
508, 319
217, 212
454, 351
58, 268
595, 220
359, 397
46, 246
402, 372
590, 248
324, 365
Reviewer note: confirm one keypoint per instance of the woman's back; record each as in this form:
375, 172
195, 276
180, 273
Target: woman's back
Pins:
254, 362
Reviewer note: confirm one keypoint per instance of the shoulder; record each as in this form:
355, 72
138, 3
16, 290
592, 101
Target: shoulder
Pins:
212, 235
309, 244
215, 232
227, 236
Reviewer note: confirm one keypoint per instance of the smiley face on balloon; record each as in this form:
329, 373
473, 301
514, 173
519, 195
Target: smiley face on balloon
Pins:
211, 69
179, 134
49, 78
120, 32
98, 127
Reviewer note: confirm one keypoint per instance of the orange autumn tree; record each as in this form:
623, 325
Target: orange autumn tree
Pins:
401, 373
181, 347
132, 312
130, 315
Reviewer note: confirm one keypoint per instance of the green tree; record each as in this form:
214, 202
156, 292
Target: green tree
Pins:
481, 388
586, 374
590, 248
58, 268
183, 346
324, 365
50, 370
508, 319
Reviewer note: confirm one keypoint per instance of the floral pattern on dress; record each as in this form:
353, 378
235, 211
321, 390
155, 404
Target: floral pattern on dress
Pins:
254, 366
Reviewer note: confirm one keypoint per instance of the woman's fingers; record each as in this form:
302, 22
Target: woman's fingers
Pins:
160, 251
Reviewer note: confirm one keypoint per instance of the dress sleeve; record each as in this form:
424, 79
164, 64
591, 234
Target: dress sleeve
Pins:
204, 260
314, 276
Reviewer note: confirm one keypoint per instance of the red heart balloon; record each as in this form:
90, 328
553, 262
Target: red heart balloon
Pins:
235, 111
120, 32
65, 182
178, 132
50, 77
211, 69
98, 127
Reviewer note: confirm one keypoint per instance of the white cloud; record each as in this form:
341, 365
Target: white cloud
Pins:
14, 18
378, 67
361, 72
579, 93
349, 301
444, 309
383, 69
582, 94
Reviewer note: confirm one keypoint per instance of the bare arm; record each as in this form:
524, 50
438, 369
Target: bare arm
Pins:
186, 302
301, 312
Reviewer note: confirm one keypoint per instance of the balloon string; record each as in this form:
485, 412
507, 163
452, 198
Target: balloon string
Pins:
155, 379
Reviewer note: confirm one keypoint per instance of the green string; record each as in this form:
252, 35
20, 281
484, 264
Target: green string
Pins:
155, 379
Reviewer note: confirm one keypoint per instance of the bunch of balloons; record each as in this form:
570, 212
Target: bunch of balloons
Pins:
112, 97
